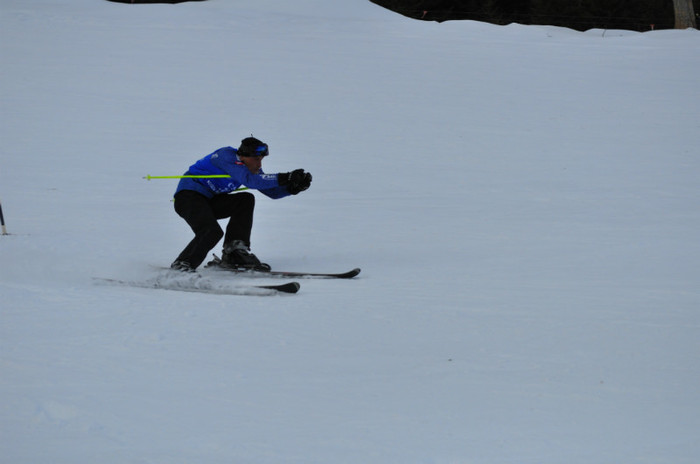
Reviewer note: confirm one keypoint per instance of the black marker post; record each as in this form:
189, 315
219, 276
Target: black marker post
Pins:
2, 221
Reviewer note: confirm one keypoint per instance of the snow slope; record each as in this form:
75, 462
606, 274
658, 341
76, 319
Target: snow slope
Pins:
524, 203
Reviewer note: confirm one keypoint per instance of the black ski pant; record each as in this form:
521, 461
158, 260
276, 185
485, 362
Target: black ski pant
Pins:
202, 215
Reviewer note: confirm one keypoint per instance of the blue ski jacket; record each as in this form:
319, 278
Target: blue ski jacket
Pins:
225, 161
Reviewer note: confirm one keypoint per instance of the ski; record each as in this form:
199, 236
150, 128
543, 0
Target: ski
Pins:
201, 285
216, 265
289, 287
319, 275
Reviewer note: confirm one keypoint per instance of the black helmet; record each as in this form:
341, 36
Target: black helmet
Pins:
250, 146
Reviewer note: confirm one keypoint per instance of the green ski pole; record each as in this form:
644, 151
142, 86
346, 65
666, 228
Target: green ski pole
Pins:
210, 176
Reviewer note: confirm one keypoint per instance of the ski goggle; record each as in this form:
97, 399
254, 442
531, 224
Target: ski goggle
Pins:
262, 150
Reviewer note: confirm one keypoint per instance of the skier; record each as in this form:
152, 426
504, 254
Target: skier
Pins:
202, 201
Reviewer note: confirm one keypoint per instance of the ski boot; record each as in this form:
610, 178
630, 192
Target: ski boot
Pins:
180, 265
237, 255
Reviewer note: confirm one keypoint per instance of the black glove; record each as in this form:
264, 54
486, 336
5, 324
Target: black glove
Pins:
295, 181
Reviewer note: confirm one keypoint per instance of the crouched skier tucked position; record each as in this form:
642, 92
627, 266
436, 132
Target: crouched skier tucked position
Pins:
203, 201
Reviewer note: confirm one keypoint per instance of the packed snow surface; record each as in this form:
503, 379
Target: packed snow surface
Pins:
524, 203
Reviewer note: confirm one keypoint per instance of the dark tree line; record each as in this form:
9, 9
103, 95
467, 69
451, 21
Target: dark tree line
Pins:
154, 1
581, 15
